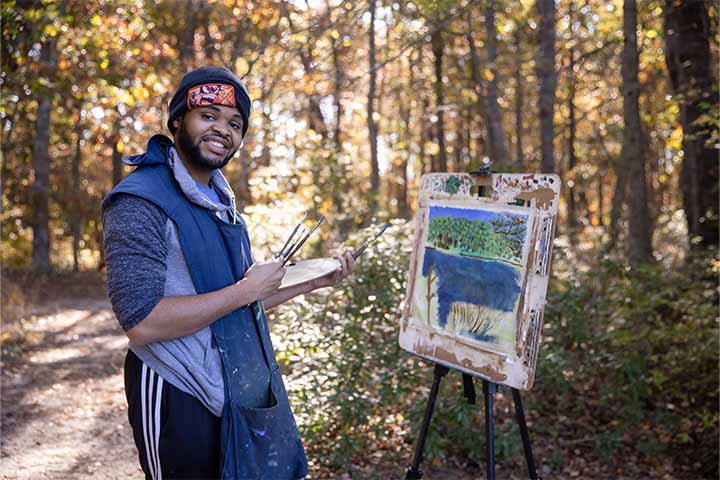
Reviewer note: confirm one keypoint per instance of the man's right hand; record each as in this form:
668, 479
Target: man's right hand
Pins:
263, 278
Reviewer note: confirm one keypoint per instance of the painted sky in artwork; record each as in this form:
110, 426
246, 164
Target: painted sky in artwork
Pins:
469, 214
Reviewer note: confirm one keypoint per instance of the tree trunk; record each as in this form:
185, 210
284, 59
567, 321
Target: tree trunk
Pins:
437, 47
632, 155
687, 54
519, 105
572, 160
405, 108
480, 106
337, 91
372, 127
75, 216
498, 150
244, 181
209, 42
338, 190
187, 36
41, 160
601, 177
601, 198
618, 200
117, 164
422, 154
266, 154
548, 81
5, 146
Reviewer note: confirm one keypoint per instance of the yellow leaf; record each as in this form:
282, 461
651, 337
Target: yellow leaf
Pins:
141, 93
127, 98
326, 206
120, 146
335, 34
96, 20
651, 34
104, 64
241, 66
432, 148
675, 140
488, 75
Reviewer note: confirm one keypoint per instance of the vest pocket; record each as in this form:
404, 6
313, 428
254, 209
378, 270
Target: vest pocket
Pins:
266, 441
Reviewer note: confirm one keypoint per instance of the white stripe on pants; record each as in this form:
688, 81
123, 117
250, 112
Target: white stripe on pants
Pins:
151, 418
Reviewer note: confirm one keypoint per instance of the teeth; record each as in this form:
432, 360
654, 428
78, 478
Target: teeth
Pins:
217, 144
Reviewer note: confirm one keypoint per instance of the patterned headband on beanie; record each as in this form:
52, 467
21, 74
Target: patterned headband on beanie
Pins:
210, 86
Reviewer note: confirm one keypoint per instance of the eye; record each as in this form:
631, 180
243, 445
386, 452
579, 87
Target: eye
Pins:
235, 125
207, 116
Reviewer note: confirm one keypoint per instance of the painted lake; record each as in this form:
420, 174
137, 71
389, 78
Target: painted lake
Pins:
487, 290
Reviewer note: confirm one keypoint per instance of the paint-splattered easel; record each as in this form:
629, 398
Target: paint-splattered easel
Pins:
413, 472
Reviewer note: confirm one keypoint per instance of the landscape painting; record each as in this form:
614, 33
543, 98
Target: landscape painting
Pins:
472, 273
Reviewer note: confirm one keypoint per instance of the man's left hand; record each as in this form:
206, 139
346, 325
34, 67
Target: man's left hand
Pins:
347, 264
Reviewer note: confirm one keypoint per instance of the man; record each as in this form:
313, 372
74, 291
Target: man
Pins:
205, 396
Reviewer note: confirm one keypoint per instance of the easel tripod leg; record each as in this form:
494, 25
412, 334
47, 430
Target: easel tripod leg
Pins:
520, 415
413, 472
489, 390
468, 388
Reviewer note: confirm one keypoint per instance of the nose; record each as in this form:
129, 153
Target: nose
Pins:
221, 129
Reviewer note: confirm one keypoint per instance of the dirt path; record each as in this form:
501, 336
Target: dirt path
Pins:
63, 401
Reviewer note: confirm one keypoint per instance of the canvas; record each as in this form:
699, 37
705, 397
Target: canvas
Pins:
472, 271
476, 284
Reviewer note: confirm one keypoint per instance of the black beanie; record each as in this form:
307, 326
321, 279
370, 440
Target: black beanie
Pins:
210, 86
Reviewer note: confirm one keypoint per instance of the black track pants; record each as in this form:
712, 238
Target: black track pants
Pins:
176, 436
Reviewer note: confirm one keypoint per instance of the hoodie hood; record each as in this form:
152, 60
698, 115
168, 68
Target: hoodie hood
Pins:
161, 151
156, 153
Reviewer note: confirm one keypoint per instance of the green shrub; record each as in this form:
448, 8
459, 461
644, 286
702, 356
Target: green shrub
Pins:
629, 361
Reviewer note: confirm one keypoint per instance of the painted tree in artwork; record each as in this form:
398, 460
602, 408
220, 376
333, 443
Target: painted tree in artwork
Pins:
430, 294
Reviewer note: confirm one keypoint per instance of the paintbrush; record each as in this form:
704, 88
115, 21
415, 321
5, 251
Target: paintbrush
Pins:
367, 243
302, 242
300, 235
287, 242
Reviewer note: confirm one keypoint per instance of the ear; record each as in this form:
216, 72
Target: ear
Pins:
176, 123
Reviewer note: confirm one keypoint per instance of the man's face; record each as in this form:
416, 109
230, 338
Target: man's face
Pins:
209, 136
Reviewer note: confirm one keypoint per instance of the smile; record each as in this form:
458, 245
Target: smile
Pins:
216, 146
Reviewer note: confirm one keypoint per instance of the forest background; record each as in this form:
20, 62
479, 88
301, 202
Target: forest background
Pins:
352, 103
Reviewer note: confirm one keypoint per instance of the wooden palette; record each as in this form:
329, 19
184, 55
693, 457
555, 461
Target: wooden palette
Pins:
307, 270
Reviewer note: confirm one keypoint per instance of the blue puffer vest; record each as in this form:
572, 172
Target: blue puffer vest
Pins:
257, 443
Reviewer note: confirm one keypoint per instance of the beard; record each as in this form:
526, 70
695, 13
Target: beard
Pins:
192, 150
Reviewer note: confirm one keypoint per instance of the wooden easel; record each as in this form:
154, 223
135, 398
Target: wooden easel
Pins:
413, 472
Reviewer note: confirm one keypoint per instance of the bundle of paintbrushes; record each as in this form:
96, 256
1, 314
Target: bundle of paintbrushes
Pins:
306, 270
295, 242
